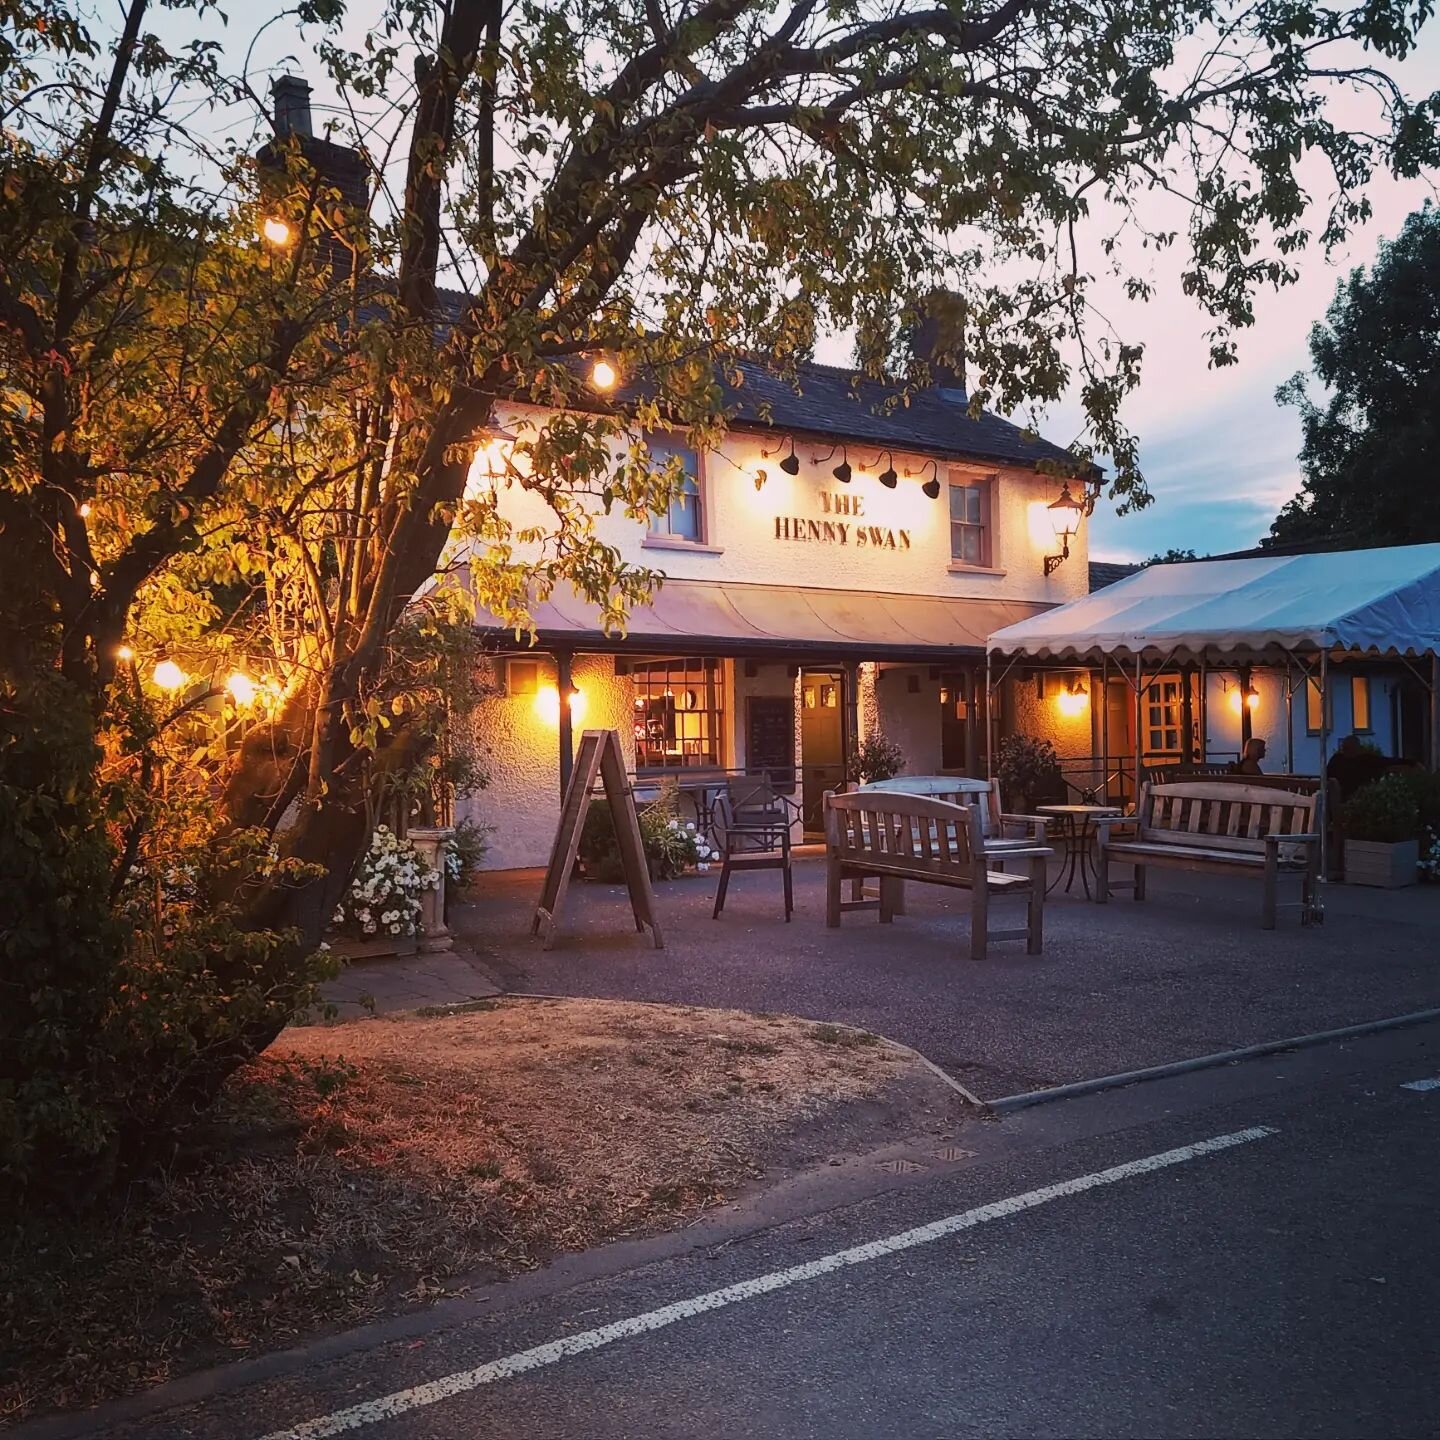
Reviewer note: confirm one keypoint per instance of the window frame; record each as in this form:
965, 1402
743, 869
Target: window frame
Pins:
985, 484
1360, 684
667, 539
704, 673
1325, 706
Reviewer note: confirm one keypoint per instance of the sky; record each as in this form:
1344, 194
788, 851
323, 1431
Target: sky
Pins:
1218, 452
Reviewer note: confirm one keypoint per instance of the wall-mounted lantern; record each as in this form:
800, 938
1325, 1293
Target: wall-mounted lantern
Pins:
1244, 697
1073, 699
1065, 515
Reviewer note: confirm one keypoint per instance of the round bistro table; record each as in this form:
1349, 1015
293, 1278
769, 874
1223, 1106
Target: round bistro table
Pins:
1077, 834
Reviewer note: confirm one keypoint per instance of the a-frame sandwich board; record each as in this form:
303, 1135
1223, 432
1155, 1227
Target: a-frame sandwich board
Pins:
600, 756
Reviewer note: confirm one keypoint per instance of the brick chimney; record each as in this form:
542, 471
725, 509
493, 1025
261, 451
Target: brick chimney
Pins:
340, 167
290, 98
937, 338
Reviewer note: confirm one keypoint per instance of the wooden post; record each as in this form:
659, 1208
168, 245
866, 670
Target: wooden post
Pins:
1290, 721
1324, 745
989, 721
565, 687
1246, 726
1204, 710
1187, 714
1139, 726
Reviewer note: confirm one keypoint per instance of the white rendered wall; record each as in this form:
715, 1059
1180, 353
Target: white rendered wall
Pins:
741, 526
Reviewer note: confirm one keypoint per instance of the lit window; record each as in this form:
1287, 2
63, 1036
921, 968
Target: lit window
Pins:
685, 519
1164, 702
1360, 703
970, 523
679, 713
1314, 711
522, 677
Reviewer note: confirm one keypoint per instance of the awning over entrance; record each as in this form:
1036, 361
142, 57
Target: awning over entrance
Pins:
730, 618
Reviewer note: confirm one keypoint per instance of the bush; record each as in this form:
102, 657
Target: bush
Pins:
876, 757
384, 897
1028, 769
1383, 812
1424, 786
671, 845
465, 851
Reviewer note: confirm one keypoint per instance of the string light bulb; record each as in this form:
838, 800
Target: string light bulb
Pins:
276, 231
169, 676
84, 509
603, 375
124, 654
241, 688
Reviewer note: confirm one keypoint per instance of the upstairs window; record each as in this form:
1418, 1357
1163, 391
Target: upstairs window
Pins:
685, 519
970, 522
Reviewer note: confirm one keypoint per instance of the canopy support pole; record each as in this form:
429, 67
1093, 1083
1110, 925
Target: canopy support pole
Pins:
1435, 712
989, 720
1204, 710
1105, 725
1139, 691
1324, 746
1289, 720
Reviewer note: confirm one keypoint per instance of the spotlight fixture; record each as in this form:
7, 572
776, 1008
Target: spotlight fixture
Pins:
888, 478
932, 486
791, 463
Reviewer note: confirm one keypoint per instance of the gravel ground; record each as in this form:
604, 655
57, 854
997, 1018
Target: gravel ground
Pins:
1187, 972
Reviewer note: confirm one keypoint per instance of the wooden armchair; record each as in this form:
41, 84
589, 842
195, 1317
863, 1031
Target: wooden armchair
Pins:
753, 821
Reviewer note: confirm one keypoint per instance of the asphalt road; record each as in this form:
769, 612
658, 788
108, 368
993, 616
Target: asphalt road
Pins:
1243, 1252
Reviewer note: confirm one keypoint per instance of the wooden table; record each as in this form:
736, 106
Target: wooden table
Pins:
1077, 833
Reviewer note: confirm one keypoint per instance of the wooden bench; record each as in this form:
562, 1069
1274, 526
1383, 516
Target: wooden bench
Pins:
896, 838
1219, 826
1000, 831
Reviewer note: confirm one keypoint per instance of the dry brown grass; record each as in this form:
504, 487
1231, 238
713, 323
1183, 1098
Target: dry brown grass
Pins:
358, 1170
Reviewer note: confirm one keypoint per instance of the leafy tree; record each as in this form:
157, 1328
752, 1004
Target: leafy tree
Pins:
1372, 448
241, 402
1171, 556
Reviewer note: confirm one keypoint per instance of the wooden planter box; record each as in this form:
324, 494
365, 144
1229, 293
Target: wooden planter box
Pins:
1369, 862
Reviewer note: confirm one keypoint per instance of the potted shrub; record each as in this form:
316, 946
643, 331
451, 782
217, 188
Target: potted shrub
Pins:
1029, 773
672, 846
876, 757
1382, 828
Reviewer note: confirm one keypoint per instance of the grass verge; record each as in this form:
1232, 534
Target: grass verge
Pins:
360, 1170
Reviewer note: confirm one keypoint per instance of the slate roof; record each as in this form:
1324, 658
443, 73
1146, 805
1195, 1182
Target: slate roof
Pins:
833, 402
1107, 572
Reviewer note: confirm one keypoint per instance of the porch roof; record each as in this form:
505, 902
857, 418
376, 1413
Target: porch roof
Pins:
779, 621
1383, 602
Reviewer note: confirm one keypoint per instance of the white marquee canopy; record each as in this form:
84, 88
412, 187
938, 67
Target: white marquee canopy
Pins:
1253, 610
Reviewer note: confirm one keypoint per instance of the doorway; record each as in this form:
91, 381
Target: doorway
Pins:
822, 741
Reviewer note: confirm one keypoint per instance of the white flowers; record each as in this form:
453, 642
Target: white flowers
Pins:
385, 894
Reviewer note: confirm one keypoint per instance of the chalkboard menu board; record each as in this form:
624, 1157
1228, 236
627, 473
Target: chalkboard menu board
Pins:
770, 737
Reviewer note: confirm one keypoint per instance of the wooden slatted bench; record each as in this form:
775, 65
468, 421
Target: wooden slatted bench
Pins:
896, 838
1219, 826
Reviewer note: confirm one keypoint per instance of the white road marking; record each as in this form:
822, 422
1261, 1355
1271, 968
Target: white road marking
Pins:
1422, 1084
386, 1407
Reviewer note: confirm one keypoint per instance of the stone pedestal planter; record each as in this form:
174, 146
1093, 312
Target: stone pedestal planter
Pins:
1369, 862
430, 843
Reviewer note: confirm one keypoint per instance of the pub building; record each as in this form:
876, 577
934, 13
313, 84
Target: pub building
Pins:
834, 568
